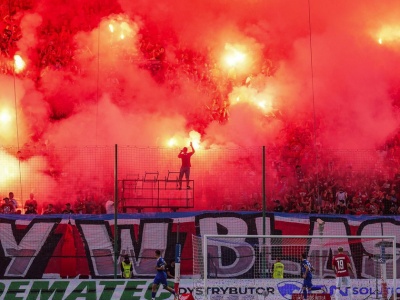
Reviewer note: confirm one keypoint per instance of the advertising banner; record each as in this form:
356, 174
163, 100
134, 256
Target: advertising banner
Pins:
141, 289
81, 246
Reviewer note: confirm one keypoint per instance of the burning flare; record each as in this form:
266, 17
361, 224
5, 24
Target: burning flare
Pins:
19, 63
5, 116
234, 56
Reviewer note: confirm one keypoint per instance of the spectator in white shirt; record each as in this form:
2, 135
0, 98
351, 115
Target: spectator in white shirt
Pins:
109, 207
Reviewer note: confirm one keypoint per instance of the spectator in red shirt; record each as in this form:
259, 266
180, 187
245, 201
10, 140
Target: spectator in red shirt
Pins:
7, 207
342, 265
49, 210
278, 207
361, 210
68, 209
31, 201
31, 210
185, 168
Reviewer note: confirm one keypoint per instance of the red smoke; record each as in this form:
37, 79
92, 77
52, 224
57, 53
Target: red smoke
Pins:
327, 67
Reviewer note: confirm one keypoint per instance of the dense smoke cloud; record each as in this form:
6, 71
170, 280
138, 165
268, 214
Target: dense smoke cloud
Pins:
143, 72
352, 71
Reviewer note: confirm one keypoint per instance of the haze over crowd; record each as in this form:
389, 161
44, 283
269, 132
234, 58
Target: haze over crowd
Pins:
219, 73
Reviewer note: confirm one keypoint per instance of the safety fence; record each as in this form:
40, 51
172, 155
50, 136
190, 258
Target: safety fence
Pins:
222, 178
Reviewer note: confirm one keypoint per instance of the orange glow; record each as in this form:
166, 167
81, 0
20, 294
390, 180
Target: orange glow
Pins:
5, 116
389, 34
262, 104
262, 100
125, 27
234, 56
172, 142
196, 145
265, 105
9, 169
19, 63
120, 28
195, 139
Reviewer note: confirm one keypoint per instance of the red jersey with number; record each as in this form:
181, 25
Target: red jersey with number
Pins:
340, 263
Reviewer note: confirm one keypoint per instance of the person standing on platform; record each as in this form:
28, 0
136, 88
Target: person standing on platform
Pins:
306, 273
161, 277
126, 267
277, 269
342, 265
185, 168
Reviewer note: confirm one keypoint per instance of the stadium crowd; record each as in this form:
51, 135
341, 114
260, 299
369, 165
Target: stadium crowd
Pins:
335, 182
299, 186
296, 188
88, 205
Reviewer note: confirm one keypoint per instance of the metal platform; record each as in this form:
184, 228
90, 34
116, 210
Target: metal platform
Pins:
152, 192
